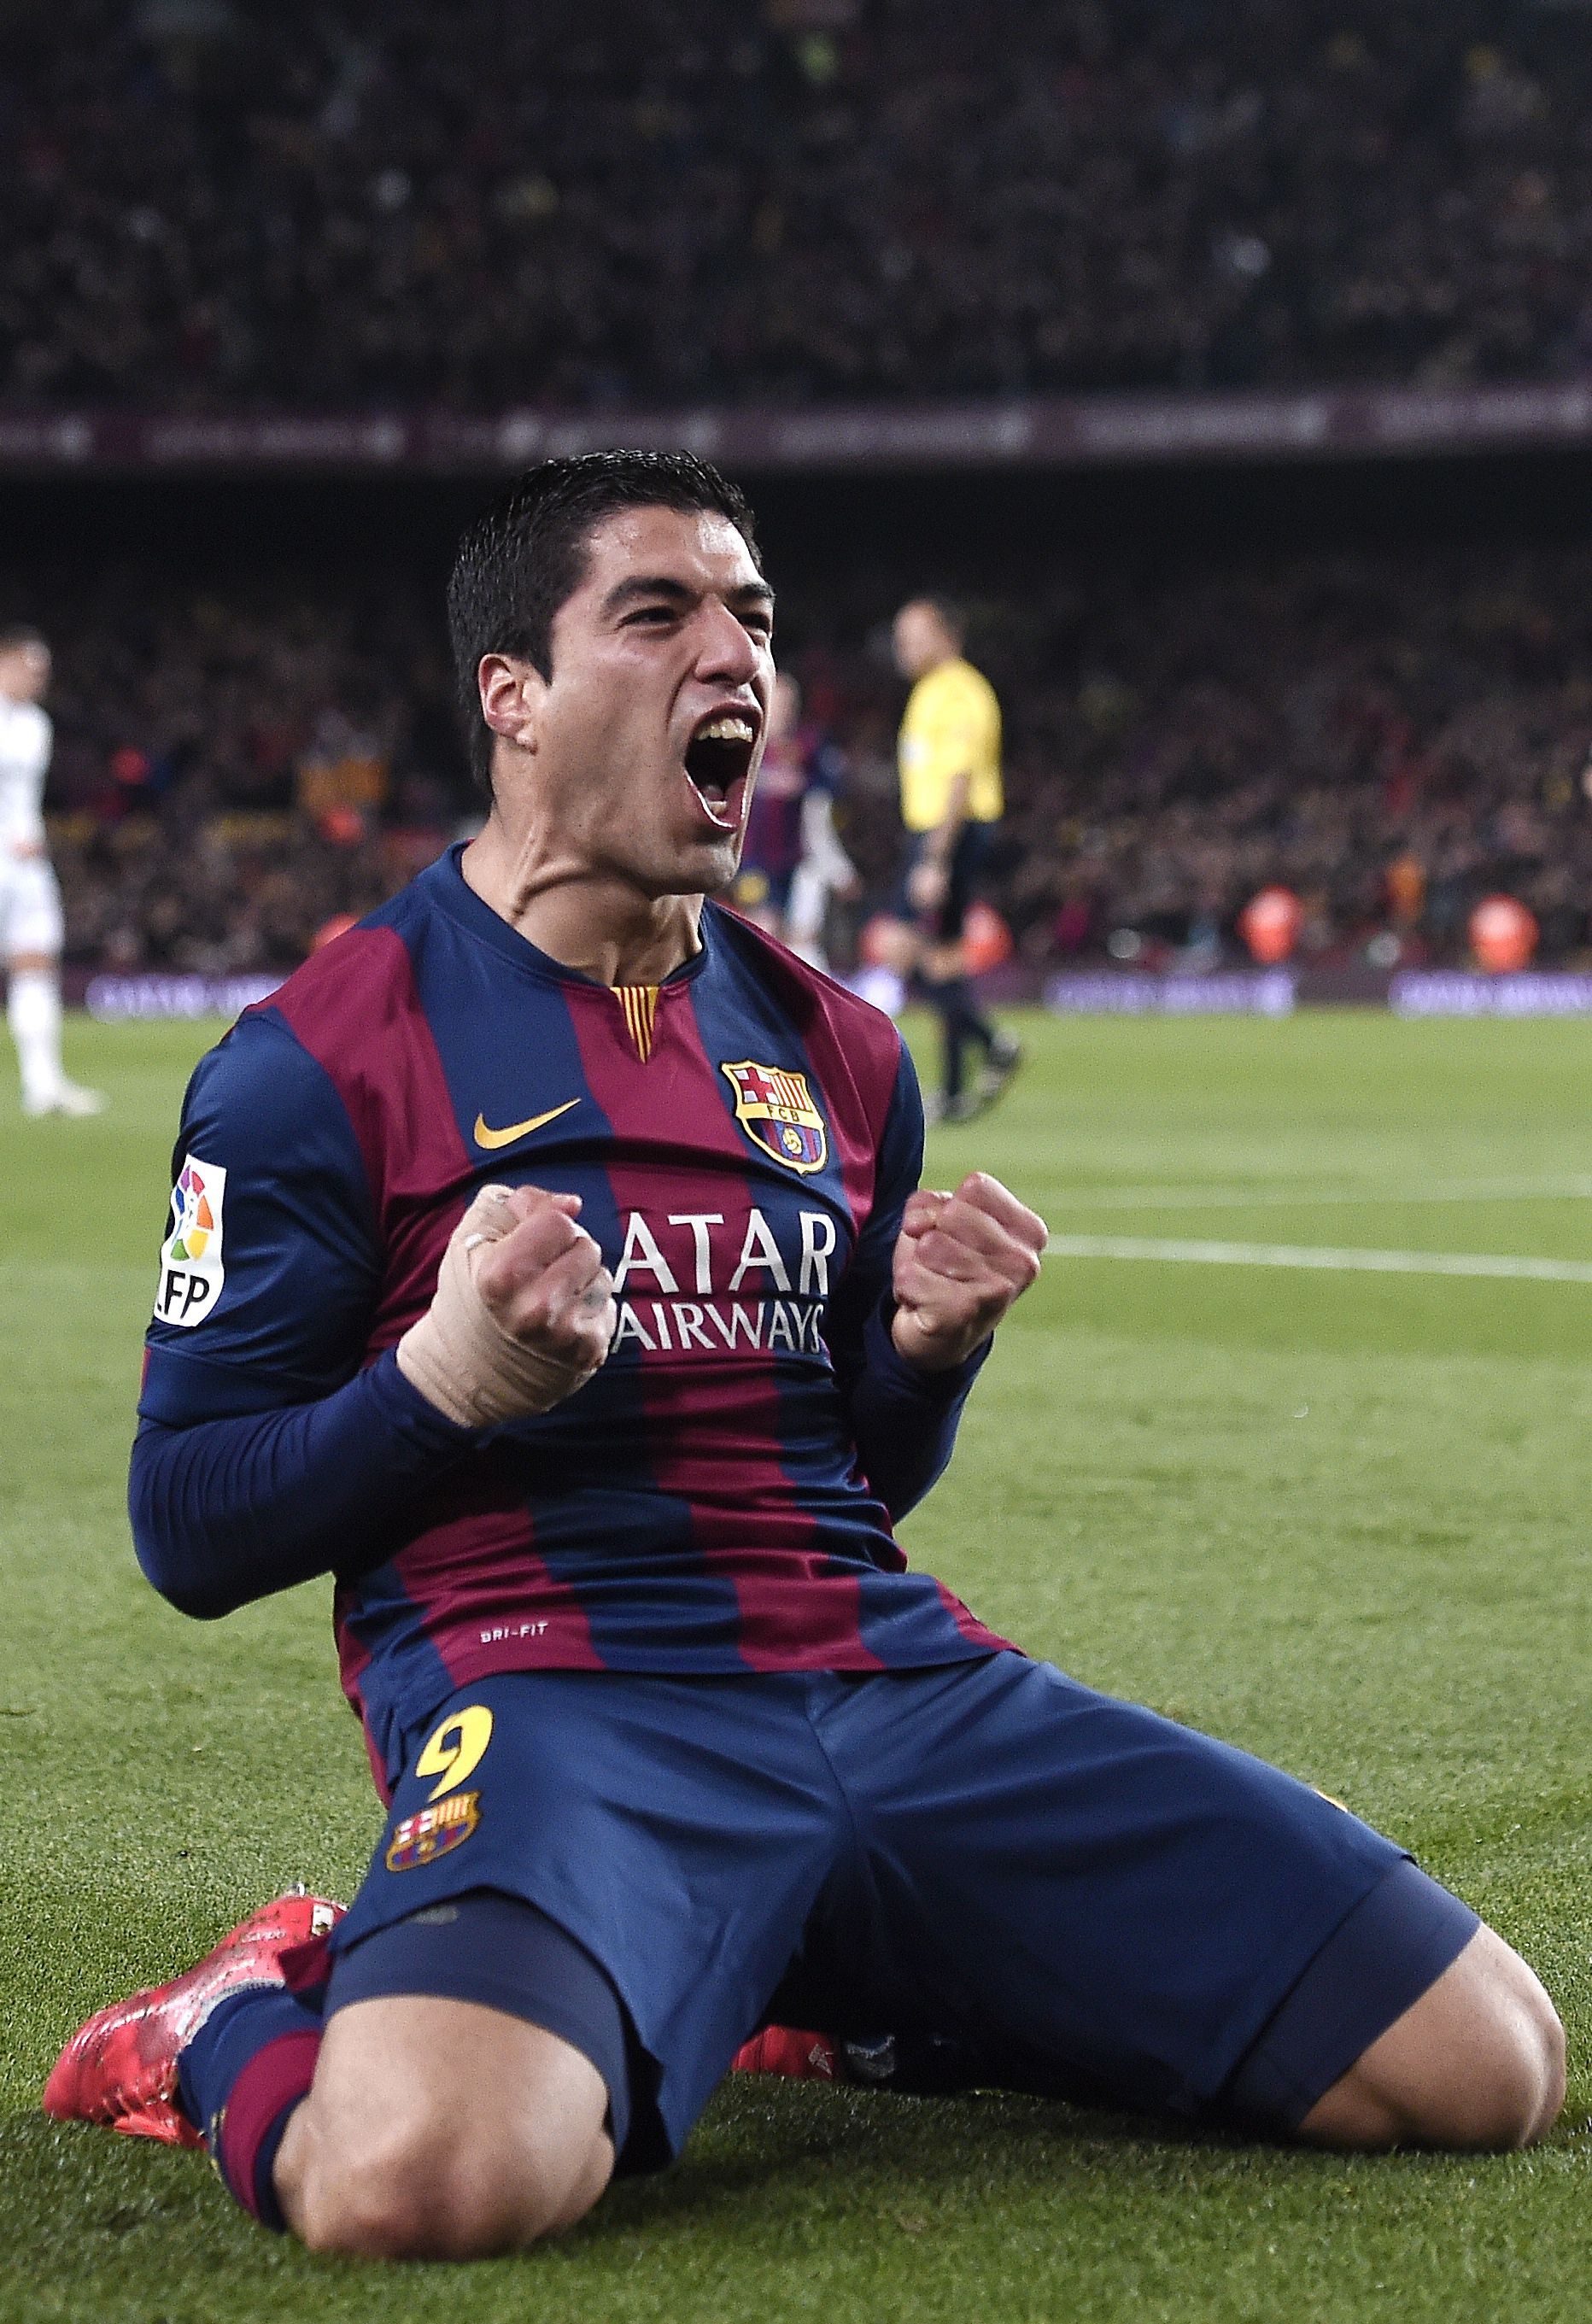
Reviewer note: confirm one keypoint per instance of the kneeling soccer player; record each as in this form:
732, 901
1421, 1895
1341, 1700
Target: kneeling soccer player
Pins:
547, 1263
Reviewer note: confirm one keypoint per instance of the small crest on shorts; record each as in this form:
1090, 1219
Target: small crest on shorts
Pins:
433, 1831
775, 1110
192, 1269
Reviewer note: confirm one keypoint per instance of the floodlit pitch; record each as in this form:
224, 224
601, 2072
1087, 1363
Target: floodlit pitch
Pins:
1336, 1515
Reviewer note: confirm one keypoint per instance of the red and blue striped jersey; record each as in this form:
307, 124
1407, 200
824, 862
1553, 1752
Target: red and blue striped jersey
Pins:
743, 1139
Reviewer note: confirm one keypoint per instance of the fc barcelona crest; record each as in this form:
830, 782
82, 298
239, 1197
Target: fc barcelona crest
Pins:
775, 1110
435, 1831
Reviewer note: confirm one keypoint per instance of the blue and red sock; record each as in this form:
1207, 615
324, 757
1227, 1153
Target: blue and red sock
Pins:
245, 2071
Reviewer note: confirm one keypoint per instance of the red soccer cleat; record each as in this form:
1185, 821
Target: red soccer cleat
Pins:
121, 2067
784, 2050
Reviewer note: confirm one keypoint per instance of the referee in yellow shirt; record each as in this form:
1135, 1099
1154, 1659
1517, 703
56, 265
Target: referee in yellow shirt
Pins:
951, 803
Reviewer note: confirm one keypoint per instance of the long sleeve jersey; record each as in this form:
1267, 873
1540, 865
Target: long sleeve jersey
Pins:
719, 1497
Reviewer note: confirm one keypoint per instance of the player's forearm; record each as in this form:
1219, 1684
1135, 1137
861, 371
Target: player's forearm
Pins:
904, 1420
231, 1509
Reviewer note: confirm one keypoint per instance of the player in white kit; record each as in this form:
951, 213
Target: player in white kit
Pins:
30, 900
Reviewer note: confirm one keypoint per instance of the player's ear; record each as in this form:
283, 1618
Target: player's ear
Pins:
511, 691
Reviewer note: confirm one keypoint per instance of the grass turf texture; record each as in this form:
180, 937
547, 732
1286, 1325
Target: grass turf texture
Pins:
1338, 1519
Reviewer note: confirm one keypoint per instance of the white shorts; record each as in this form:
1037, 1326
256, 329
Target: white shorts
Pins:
29, 907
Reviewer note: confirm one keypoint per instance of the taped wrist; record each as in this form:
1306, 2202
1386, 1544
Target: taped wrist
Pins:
460, 1357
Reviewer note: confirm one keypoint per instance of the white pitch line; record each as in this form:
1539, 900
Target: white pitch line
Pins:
1315, 1254
1288, 1198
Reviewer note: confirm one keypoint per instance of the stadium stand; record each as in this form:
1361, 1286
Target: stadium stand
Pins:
212, 208
1392, 735
332, 209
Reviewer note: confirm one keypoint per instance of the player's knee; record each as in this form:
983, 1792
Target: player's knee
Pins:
1477, 2063
422, 2191
1505, 2086
1504, 2089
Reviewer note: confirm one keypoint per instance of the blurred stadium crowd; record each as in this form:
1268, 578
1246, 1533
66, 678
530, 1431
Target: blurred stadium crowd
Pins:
1393, 736
367, 203
232, 772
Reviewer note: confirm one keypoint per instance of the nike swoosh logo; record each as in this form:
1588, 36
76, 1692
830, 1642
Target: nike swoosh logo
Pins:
493, 1139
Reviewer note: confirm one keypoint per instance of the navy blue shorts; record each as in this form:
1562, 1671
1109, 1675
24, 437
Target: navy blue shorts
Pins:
1106, 1903
756, 885
963, 874
502, 1953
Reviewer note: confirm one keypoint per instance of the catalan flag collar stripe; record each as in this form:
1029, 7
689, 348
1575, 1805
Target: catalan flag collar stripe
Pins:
640, 1004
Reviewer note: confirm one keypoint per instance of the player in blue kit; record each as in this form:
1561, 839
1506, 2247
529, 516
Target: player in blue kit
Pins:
792, 861
547, 1263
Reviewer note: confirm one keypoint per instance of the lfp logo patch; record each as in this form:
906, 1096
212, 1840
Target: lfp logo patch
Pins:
191, 1272
433, 1831
775, 1110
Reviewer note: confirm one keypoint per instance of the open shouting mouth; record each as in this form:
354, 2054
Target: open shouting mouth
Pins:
718, 763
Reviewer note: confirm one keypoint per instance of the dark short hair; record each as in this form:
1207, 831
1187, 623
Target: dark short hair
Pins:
14, 635
526, 555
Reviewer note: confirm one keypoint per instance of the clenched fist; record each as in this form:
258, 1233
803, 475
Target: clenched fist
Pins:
523, 1314
961, 1261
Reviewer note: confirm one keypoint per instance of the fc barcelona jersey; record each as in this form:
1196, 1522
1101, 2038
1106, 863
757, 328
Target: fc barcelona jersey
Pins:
742, 1137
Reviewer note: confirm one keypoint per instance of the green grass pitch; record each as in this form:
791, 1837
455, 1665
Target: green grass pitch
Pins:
1340, 1518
